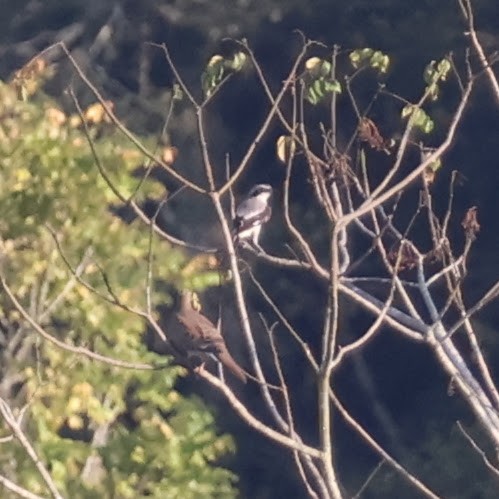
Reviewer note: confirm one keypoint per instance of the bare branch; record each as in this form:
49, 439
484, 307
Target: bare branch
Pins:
20, 491
9, 418
65, 346
277, 437
468, 15
264, 127
129, 135
378, 197
480, 452
289, 414
374, 445
368, 480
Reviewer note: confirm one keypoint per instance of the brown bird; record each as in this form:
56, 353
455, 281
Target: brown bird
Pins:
202, 338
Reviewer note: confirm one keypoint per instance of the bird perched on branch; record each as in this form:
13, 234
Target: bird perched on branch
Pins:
251, 214
202, 339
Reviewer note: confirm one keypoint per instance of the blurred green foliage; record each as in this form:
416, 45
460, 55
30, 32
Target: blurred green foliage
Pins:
156, 443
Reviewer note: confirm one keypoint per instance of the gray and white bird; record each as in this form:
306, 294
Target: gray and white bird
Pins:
251, 214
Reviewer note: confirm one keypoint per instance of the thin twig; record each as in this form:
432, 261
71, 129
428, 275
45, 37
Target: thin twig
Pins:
130, 202
368, 480
374, 445
289, 414
262, 428
85, 352
123, 129
467, 11
475, 446
20, 491
378, 197
23, 440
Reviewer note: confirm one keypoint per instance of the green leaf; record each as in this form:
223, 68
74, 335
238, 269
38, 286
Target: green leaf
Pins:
333, 86
213, 74
407, 110
368, 57
434, 74
418, 118
219, 68
435, 165
237, 62
312, 96
50, 177
380, 61
359, 56
177, 92
427, 125
429, 73
443, 68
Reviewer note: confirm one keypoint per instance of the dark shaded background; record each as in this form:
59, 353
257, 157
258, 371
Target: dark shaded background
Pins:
393, 387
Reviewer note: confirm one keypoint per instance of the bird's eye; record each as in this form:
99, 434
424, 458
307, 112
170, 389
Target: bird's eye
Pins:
256, 191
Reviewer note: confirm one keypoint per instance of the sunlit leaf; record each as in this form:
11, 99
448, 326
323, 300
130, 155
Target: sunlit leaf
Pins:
200, 263
419, 118
96, 113
219, 68
177, 92
169, 154
368, 57
237, 62
333, 86
50, 178
318, 67
434, 74
318, 80
285, 148
213, 74
407, 110
30, 78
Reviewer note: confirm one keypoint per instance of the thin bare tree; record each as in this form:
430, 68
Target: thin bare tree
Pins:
359, 209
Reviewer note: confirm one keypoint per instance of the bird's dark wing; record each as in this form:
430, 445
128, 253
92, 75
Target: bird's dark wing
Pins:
205, 338
257, 216
203, 333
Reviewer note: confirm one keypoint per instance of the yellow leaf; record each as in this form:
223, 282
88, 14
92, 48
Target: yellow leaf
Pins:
166, 430
169, 155
138, 454
75, 122
96, 113
312, 63
74, 405
131, 155
55, 116
94, 318
83, 390
125, 295
29, 78
21, 177
216, 59
285, 148
84, 292
173, 396
199, 263
75, 422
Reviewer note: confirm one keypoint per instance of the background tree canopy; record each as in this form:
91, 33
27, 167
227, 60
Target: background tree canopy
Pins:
77, 405
51, 186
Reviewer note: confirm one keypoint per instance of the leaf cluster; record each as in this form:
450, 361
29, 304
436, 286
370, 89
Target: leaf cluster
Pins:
156, 442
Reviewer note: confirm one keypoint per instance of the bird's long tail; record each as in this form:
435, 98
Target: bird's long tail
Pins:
226, 359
